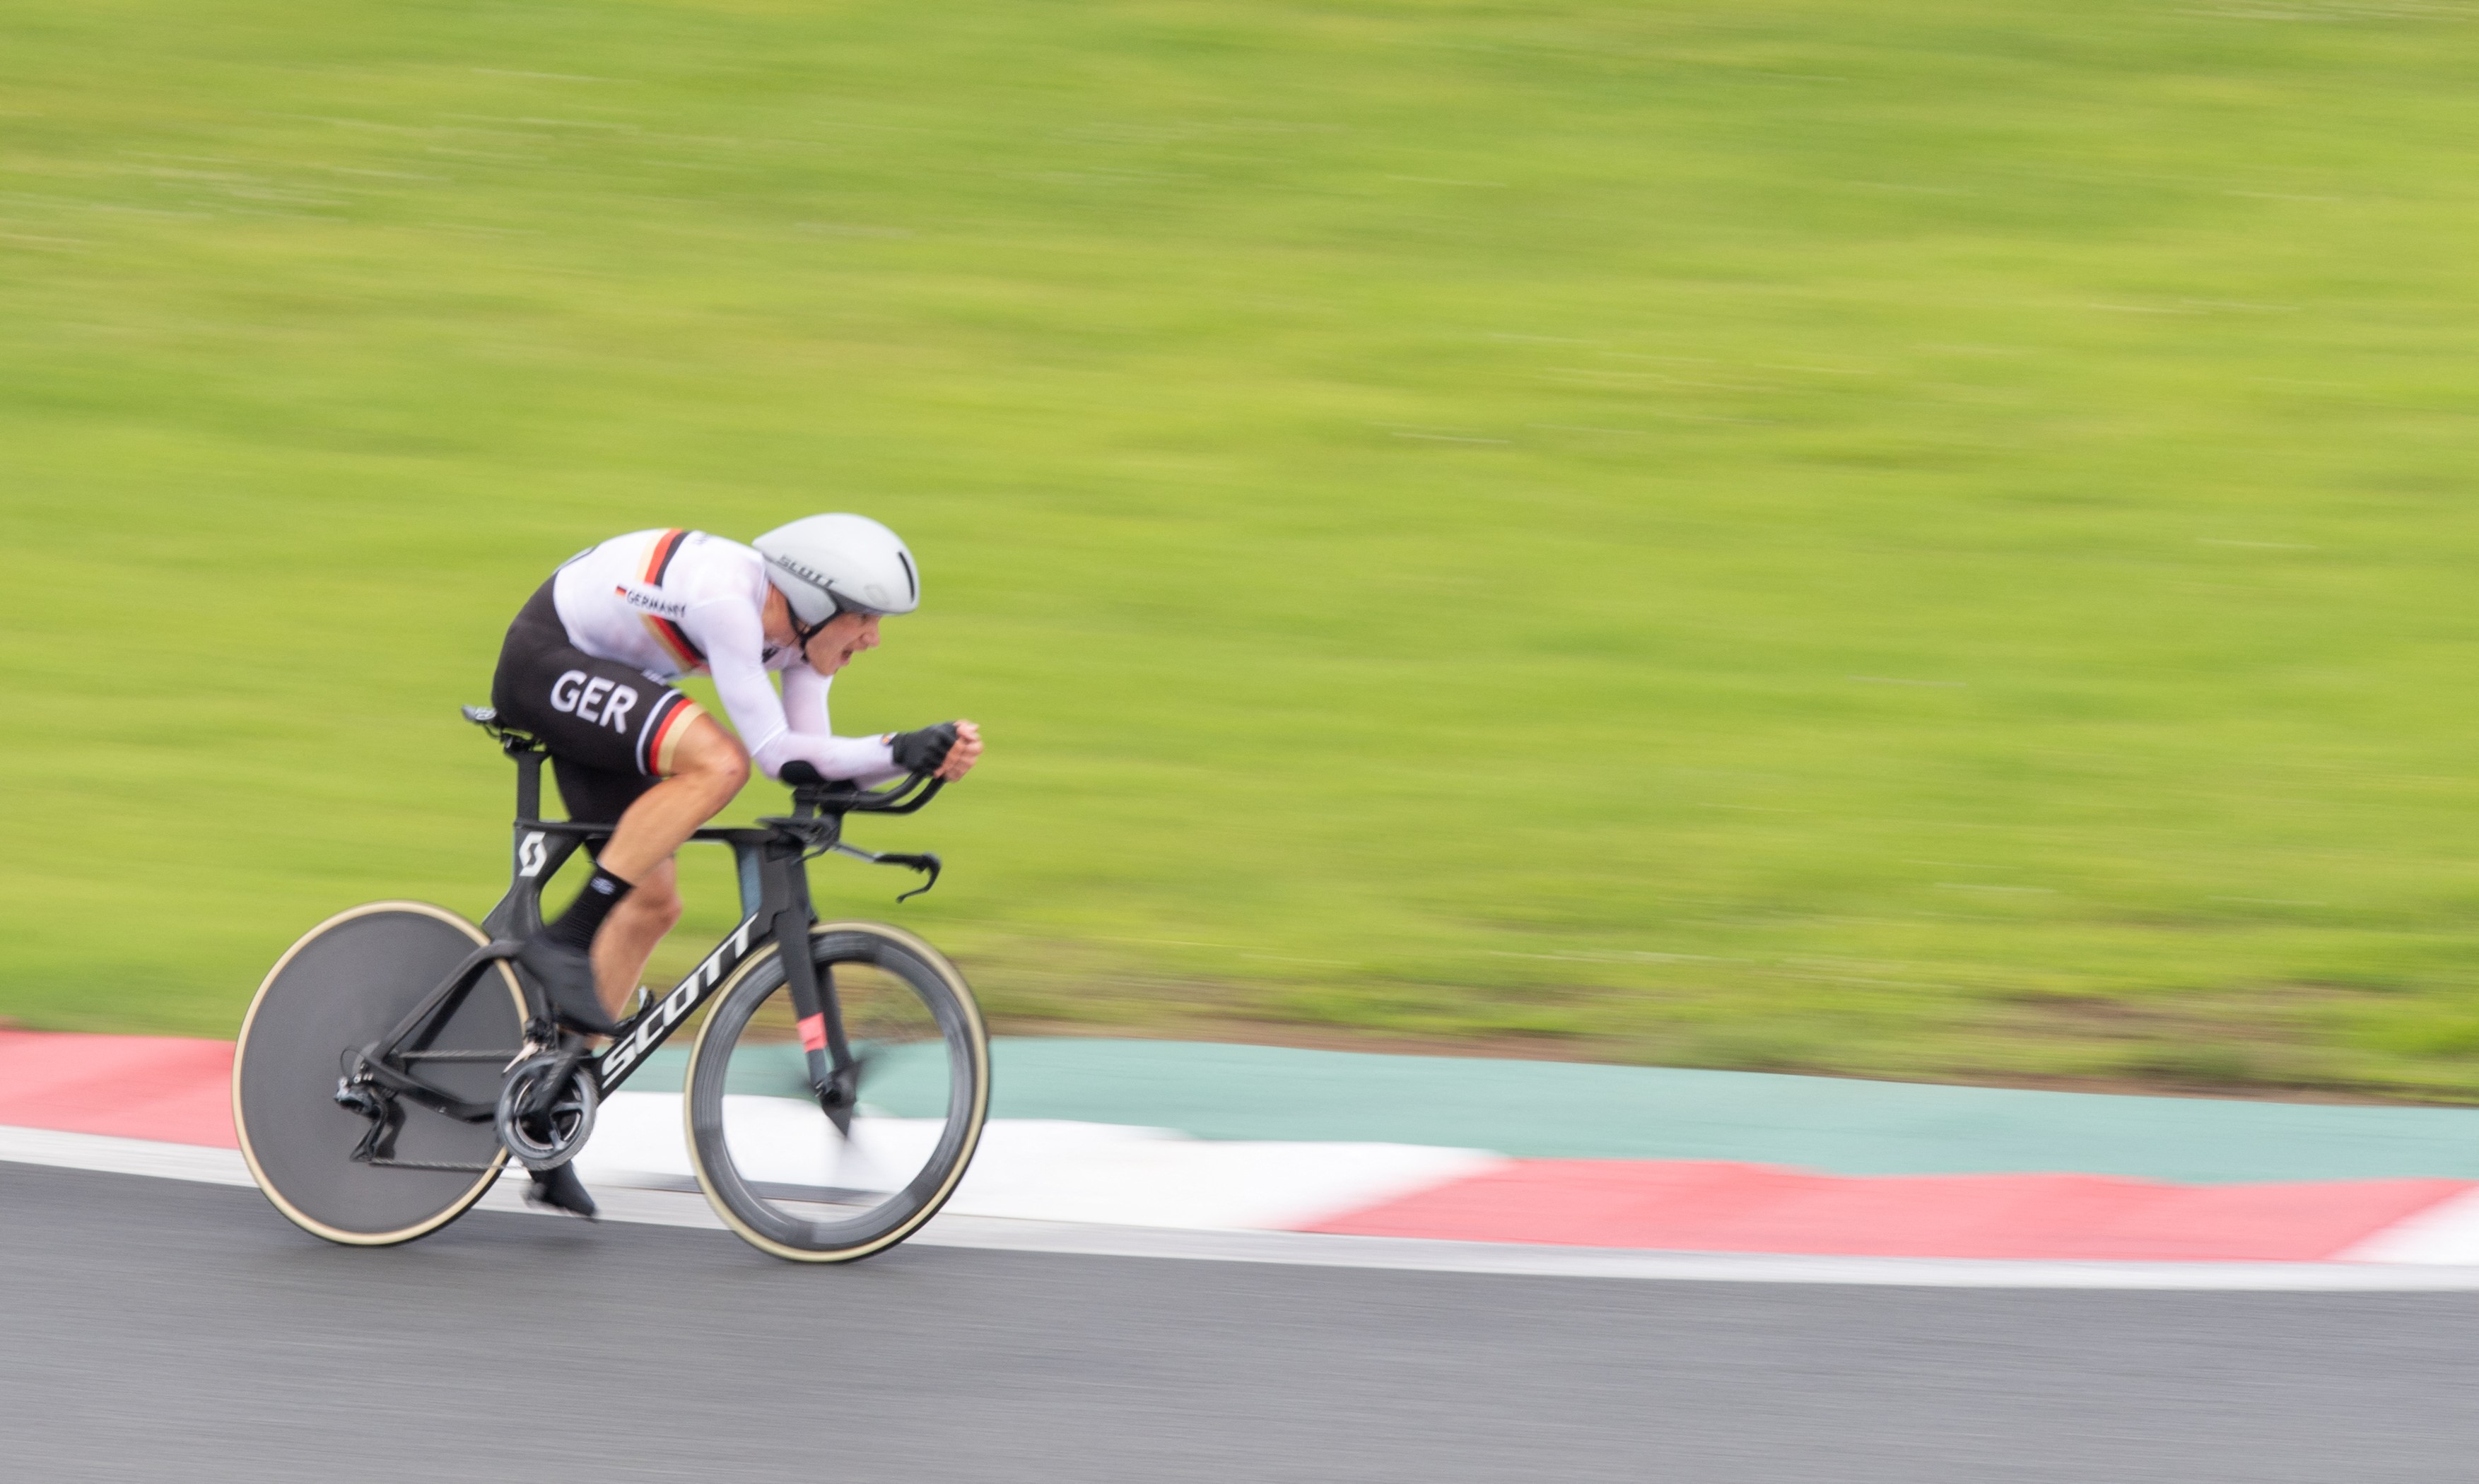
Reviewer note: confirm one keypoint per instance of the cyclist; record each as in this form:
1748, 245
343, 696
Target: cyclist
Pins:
584, 668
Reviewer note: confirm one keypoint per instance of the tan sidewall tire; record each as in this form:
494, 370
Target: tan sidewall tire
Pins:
241, 1051
972, 1012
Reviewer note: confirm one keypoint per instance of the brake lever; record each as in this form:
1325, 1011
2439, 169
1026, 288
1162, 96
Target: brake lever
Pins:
925, 862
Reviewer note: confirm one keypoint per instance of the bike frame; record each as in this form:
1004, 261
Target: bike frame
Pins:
772, 861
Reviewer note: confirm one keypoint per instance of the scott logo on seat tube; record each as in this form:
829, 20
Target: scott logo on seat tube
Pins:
592, 698
530, 854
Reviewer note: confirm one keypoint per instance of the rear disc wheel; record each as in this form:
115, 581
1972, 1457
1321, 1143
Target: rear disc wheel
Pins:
347, 983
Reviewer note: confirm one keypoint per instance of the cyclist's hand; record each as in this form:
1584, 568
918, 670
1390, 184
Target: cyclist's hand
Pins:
966, 751
947, 751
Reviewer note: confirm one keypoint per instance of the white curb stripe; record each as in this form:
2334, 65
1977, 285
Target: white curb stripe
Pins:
1045, 1169
2444, 1233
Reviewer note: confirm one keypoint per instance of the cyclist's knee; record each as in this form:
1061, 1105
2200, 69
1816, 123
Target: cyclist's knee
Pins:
713, 756
731, 770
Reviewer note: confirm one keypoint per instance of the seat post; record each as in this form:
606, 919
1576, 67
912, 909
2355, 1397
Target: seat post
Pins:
528, 783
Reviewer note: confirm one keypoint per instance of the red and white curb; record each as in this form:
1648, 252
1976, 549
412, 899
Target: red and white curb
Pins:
667, 1208
1108, 1189
1108, 1175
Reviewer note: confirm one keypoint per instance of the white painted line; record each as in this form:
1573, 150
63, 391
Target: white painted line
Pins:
616, 1202
1407, 1254
676, 1207
198, 1163
123, 1156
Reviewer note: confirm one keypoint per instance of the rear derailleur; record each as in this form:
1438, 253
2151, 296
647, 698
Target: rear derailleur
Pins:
356, 1092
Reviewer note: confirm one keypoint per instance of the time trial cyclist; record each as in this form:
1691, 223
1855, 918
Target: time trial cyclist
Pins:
586, 669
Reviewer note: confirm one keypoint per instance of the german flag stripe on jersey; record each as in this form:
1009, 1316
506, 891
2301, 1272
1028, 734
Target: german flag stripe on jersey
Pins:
670, 636
658, 561
660, 736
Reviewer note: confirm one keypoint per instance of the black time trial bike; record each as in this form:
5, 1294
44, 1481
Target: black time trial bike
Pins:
396, 1059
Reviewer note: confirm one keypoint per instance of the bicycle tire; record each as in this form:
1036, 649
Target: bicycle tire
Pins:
786, 1221
343, 984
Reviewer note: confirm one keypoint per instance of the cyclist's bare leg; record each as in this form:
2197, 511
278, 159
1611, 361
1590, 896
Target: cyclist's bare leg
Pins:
629, 934
708, 773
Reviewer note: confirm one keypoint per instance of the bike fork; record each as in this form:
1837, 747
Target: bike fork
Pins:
834, 1075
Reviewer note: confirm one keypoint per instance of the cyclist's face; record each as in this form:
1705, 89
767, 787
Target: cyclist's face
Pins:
845, 634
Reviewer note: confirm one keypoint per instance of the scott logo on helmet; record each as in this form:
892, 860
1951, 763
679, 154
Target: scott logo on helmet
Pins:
592, 698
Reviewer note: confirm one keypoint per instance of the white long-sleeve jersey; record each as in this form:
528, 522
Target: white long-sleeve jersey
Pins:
673, 603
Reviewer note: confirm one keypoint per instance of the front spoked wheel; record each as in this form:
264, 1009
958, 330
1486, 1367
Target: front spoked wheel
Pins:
772, 1161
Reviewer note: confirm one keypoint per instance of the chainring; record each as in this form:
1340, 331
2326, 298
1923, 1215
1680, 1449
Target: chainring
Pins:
547, 1108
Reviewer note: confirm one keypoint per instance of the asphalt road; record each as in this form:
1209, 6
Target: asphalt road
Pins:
156, 1329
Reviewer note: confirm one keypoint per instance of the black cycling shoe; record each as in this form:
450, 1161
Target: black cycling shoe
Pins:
558, 1189
567, 978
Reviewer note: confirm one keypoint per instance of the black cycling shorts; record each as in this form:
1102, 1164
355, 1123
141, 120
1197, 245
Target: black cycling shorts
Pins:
611, 730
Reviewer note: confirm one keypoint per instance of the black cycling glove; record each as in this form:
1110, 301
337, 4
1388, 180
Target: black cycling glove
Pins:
922, 752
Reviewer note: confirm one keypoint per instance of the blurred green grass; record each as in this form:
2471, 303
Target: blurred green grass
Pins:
1926, 539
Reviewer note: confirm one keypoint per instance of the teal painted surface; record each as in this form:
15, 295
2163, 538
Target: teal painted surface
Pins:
1572, 1110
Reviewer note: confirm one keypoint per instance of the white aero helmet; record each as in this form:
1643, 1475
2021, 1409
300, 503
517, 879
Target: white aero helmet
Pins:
826, 565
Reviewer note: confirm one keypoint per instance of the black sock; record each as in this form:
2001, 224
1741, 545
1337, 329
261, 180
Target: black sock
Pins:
577, 925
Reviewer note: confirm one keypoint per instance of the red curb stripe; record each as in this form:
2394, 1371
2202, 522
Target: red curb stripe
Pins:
170, 1088
1702, 1206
